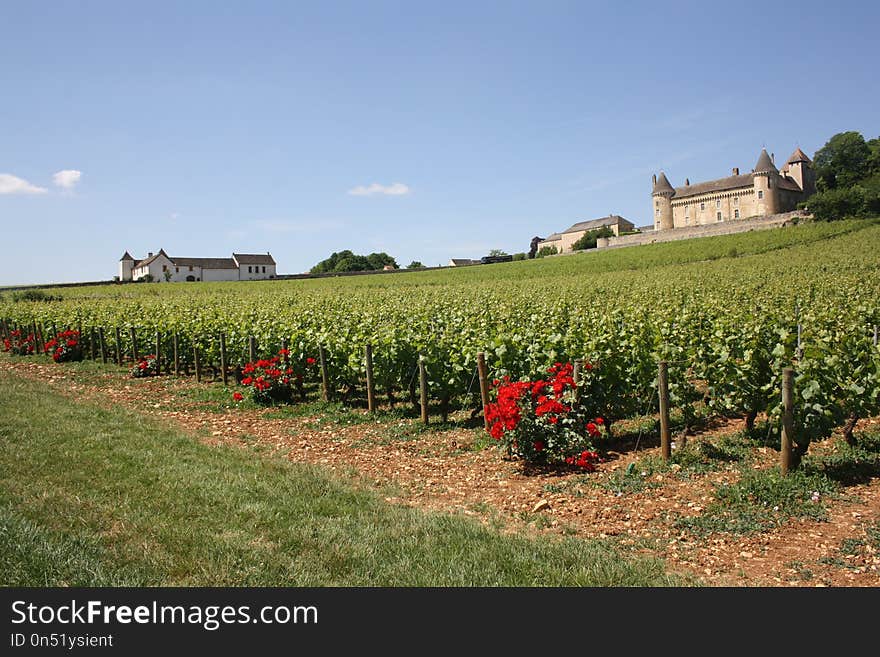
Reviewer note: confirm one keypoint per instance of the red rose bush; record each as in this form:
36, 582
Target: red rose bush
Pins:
65, 347
545, 421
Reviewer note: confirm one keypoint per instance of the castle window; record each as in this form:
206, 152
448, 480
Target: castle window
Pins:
760, 193
736, 214
190, 267
702, 205
657, 212
164, 267
717, 202
718, 216
264, 269
249, 270
656, 204
736, 200
177, 270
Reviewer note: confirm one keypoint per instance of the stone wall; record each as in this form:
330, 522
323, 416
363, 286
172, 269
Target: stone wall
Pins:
723, 228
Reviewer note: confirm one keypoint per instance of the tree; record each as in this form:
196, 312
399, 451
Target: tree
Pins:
546, 250
343, 261
588, 239
167, 275
842, 161
496, 252
519, 256
415, 264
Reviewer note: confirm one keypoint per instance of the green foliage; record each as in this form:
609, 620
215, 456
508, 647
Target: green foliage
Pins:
762, 500
415, 264
839, 203
345, 261
519, 256
34, 295
546, 251
496, 252
842, 161
588, 239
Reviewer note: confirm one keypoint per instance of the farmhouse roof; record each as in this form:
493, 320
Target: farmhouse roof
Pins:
552, 238
610, 220
720, 185
126, 256
253, 258
149, 259
205, 263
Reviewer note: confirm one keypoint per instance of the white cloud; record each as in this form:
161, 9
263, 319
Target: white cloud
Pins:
67, 178
394, 189
10, 184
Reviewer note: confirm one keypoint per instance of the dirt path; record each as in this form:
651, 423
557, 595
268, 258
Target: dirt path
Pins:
444, 471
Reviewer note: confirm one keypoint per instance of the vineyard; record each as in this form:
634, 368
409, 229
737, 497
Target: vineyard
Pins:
727, 314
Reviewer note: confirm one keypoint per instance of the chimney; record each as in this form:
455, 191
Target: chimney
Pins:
773, 158
735, 171
654, 178
687, 182
149, 254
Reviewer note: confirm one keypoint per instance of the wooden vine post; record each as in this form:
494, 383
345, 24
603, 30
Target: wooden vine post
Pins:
197, 362
663, 393
134, 343
223, 368
423, 389
371, 391
785, 451
103, 344
158, 352
118, 347
483, 375
325, 377
252, 349
175, 345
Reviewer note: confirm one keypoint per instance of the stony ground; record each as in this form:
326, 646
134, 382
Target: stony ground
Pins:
455, 469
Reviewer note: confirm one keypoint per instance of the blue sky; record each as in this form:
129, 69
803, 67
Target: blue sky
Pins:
426, 130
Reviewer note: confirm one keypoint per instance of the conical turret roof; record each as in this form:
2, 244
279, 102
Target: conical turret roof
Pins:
662, 185
126, 256
765, 164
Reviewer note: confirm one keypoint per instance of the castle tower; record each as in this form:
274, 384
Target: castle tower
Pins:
766, 185
662, 195
800, 169
126, 264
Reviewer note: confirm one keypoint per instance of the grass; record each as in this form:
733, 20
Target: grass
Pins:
92, 496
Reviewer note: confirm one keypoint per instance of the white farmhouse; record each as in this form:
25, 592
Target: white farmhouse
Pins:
161, 267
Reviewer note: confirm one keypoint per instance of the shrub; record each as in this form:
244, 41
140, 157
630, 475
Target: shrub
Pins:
545, 421
272, 381
65, 347
146, 366
20, 344
588, 239
546, 251
34, 295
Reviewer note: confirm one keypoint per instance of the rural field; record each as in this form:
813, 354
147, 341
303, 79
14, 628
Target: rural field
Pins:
149, 454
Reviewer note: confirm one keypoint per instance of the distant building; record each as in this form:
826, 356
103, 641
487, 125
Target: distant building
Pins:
565, 240
462, 262
763, 192
162, 267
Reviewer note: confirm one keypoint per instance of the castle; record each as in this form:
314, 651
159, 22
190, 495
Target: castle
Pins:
763, 192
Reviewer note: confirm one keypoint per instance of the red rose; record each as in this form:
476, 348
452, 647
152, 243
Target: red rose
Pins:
237, 396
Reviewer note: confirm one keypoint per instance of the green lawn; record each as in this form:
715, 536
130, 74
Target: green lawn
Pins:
97, 497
